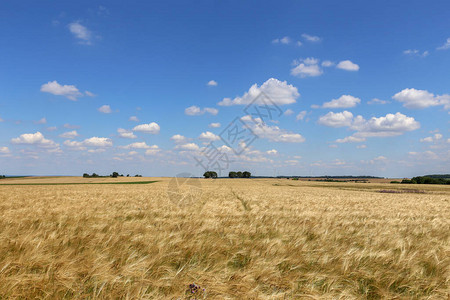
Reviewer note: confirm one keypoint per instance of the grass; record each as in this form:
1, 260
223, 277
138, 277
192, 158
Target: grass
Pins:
241, 239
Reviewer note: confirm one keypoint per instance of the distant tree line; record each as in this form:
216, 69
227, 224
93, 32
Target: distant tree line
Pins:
425, 180
210, 174
113, 175
239, 174
2, 176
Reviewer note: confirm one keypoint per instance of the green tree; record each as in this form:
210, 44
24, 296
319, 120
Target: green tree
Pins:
239, 174
210, 174
232, 174
246, 174
114, 175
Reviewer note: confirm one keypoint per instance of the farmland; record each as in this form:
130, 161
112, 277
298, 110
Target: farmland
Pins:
233, 238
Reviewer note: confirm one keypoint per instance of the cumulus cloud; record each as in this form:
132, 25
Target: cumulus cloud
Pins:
188, 147
351, 139
126, 134
4, 150
71, 126
427, 155
284, 40
301, 115
37, 139
412, 98
133, 119
446, 45
430, 139
288, 112
278, 91
137, 145
311, 38
327, 63
41, 121
152, 128
214, 125
79, 31
308, 67
377, 101
89, 94
154, 149
69, 91
389, 125
208, 136
69, 134
335, 120
105, 109
345, 101
272, 133
98, 142
178, 138
272, 152
361, 147
212, 83
197, 111
347, 65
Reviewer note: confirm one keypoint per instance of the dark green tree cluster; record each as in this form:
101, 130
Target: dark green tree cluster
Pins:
426, 180
210, 174
113, 175
239, 174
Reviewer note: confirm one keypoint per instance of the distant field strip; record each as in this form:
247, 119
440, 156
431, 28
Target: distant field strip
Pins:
78, 183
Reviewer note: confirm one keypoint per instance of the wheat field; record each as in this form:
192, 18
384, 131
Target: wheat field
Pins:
223, 239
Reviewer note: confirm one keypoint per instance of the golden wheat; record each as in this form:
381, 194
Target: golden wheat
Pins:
238, 239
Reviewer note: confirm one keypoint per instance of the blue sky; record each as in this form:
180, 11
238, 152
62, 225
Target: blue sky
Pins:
138, 87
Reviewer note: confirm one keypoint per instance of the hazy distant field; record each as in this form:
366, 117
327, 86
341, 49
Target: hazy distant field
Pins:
237, 239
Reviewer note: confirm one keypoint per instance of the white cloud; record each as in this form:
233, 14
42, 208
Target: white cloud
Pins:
69, 91
272, 152
389, 125
137, 145
347, 65
416, 52
345, 101
126, 134
361, 147
89, 94
274, 133
98, 142
214, 125
412, 98
278, 91
427, 155
133, 119
41, 121
37, 139
351, 139
288, 112
197, 111
377, 101
69, 134
306, 68
212, 83
152, 150
71, 126
327, 63
81, 33
188, 146
52, 128
335, 120
152, 128
445, 46
434, 138
301, 115
208, 136
178, 138
311, 38
105, 109
4, 150
298, 43
284, 40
